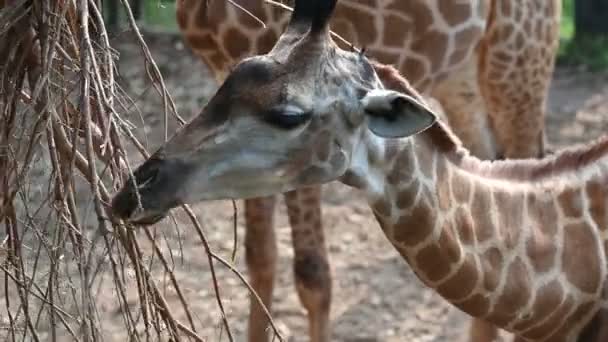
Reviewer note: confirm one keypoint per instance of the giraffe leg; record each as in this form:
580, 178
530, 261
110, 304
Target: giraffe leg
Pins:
261, 255
311, 266
516, 62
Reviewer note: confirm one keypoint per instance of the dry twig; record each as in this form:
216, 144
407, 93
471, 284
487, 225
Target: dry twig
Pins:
62, 150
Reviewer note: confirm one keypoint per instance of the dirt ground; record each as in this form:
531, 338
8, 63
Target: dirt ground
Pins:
376, 297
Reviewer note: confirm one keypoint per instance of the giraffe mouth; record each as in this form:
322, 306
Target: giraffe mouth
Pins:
141, 217
148, 220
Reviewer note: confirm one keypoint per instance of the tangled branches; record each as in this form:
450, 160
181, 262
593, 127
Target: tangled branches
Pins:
62, 151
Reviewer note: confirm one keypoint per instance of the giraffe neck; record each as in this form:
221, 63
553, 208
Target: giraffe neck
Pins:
526, 255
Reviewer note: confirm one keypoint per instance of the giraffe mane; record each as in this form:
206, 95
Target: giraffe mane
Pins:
568, 160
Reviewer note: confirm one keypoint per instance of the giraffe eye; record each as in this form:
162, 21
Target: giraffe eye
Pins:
287, 117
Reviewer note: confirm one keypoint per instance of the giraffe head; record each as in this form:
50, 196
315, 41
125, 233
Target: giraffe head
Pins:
287, 119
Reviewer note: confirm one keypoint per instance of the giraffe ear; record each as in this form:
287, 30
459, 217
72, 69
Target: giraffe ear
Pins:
395, 115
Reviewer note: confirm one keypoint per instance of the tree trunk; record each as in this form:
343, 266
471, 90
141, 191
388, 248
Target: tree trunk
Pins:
590, 18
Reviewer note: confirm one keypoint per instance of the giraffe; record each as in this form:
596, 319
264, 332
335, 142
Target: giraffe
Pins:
519, 243
468, 54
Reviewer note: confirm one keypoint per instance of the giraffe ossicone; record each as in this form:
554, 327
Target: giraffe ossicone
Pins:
517, 243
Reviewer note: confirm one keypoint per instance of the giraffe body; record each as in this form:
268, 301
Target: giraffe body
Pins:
461, 53
520, 244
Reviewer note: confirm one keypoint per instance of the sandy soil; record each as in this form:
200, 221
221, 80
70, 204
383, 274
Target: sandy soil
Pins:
376, 297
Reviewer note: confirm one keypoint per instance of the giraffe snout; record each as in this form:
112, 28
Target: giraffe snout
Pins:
142, 199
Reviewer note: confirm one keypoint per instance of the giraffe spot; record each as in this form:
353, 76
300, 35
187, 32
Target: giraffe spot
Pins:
510, 217
295, 219
550, 324
464, 225
541, 250
504, 33
571, 202
250, 20
520, 41
407, 197
476, 306
363, 19
515, 294
216, 10
431, 45
455, 12
239, 43
266, 41
461, 189
414, 69
304, 233
596, 193
394, 26
543, 214
491, 264
464, 41
403, 169
462, 283
519, 13
433, 262
581, 249
204, 19
311, 196
413, 228
202, 41
449, 242
309, 215
481, 210
311, 269
582, 312
548, 299
520, 62
420, 13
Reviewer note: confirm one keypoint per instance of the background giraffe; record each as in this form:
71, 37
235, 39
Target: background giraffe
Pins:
496, 55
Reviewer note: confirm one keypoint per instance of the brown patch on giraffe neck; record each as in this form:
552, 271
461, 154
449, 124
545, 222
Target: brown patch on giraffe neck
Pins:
582, 270
515, 294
